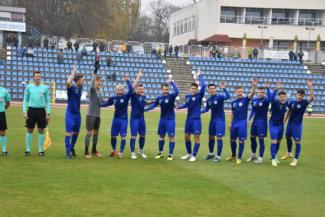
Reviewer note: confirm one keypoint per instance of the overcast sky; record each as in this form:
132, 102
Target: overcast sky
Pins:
180, 3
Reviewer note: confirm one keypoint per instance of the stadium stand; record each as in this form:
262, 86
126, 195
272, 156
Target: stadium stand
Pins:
18, 70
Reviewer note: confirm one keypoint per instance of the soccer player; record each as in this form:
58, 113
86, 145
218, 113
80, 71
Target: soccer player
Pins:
260, 107
238, 121
217, 123
279, 109
296, 114
167, 118
193, 123
137, 121
93, 114
36, 109
120, 120
4, 105
72, 115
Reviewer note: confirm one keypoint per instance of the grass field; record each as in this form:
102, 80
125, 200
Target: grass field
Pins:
53, 186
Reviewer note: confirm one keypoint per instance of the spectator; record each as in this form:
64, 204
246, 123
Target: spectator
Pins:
300, 56
128, 48
79, 57
69, 46
16, 41
60, 56
97, 60
154, 52
213, 52
108, 61
84, 52
95, 45
111, 77
76, 46
46, 43
310, 109
176, 49
24, 52
255, 53
295, 57
30, 42
30, 52
170, 50
165, 50
52, 45
159, 51
101, 47
291, 55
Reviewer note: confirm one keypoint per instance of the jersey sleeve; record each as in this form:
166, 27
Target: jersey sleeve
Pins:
176, 91
26, 99
47, 100
153, 105
109, 102
7, 97
226, 96
202, 83
206, 108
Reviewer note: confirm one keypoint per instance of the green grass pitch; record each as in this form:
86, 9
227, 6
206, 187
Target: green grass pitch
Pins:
53, 186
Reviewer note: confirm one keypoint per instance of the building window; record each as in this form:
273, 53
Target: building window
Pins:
229, 15
184, 25
255, 16
281, 44
282, 16
308, 18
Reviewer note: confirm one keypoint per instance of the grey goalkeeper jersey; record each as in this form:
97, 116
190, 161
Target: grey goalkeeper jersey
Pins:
95, 100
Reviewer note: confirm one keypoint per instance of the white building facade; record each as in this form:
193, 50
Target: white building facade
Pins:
262, 22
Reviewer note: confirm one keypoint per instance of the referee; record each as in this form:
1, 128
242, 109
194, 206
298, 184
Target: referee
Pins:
36, 109
4, 104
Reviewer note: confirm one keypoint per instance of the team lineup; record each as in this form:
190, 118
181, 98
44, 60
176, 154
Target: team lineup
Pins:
37, 110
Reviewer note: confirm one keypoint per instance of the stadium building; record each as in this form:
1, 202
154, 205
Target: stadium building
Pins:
276, 24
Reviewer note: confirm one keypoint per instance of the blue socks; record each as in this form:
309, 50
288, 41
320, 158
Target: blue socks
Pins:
188, 145
253, 145
67, 142
196, 149
273, 150
211, 145
233, 146
142, 141
113, 143
132, 144
289, 145
73, 140
298, 150
161, 145
241, 149
171, 148
220, 146
123, 142
262, 147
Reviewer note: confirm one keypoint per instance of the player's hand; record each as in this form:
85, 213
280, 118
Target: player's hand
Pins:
198, 72
169, 79
222, 84
25, 116
310, 82
74, 69
125, 78
254, 82
267, 84
278, 85
141, 72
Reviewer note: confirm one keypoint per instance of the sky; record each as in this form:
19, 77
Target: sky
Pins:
180, 3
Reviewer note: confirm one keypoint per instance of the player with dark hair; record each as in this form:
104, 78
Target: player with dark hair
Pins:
217, 125
167, 118
72, 115
36, 109
295, 124
193, 124
238, 121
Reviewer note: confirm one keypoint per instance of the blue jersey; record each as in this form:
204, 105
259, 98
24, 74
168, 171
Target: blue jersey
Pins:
278, 110
74, 96
138, 103
216, 104
120, 103
167, 104
297, 110
260, 107
193, 102
239, 108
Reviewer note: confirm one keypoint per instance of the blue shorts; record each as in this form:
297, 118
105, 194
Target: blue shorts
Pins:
166, 125
193, 126
276, 131
259, 128
138, 125
72, 122
238, 130
119, 127
217, 128
294, 130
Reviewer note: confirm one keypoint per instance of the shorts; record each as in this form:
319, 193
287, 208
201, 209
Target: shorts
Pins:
193, 126
119, 127
72, 122
138, 125
92, 123
294, 130
3, 121
217, 128
276, 131
166, 126
239, 130
259, 128
36, 116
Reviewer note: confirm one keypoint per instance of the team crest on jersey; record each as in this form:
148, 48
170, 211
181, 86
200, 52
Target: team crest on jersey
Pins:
166, 100
140, 98
260, 104
193, 98
240, 104
121, 100
215, 102
76, 91
298, 106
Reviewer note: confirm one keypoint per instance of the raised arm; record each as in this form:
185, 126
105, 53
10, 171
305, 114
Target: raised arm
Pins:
252, 92
109, 102
130, 88
183, 106
137, 79
176, 91
223, 87
71, 77
202, 84
311, 90
152, 106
